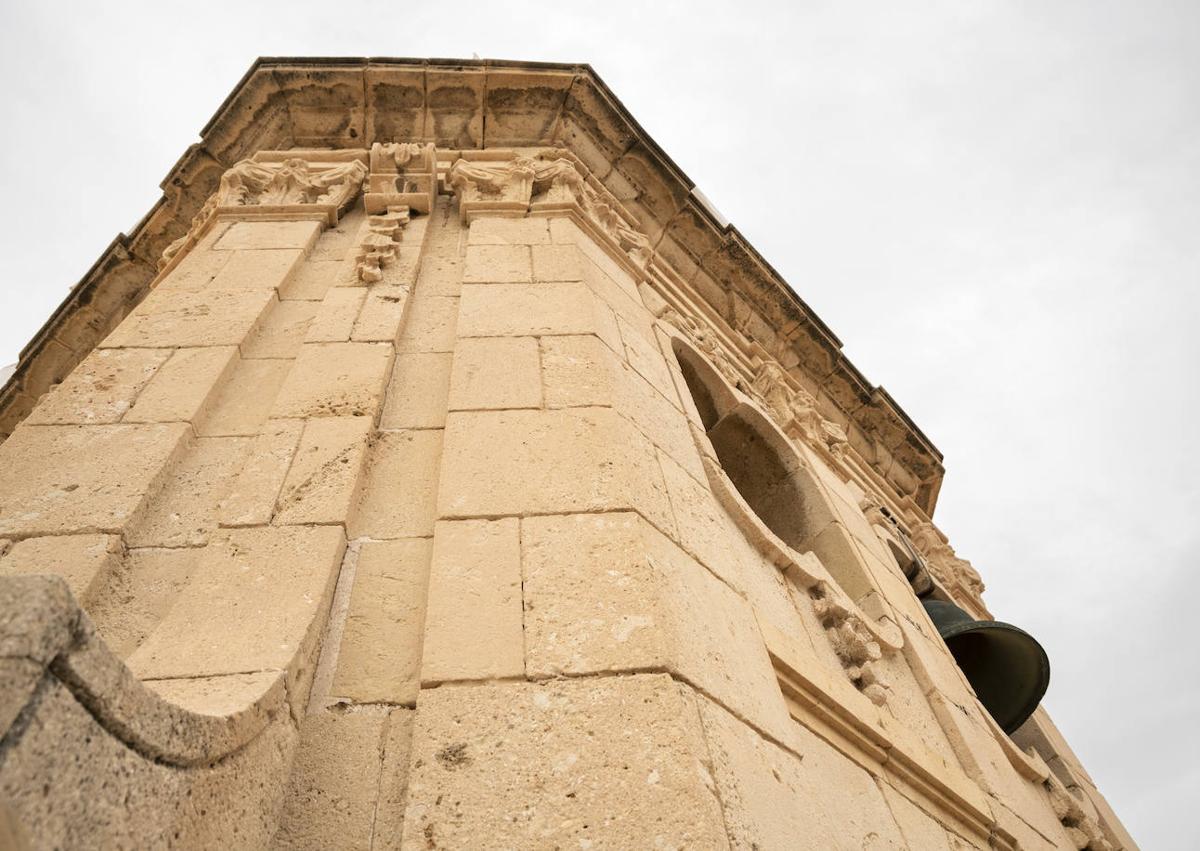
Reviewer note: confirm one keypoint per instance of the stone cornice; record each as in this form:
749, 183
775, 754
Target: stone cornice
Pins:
469, 105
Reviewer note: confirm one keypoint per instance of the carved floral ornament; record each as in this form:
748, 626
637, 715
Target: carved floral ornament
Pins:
542, 185
271, 189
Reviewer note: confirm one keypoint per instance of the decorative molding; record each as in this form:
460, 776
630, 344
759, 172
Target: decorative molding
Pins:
266, 187
403, 174
956, 574
1083, 830
380, 243
795, 409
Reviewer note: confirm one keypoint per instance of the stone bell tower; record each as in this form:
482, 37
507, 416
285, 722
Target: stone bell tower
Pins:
434, 468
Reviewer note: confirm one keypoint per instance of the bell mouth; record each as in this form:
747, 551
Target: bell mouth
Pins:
1006, 666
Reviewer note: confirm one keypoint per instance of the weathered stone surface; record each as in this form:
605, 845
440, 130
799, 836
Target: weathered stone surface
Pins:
417, 392
613, 762
246, 399
58, 480
334, 380
404, 507
495, 373
773, 798
607, 592
203, 318
185, 511
486, 264
251, 235
250, 605
523, 310
494, 231
323, 481
393, 787
312, 279
498, 463
84, 561
271, 270
252, 494
430, 325
379, 659
101, 389
335, 317
473, 626
382, 314
577, 371
183, 388
282, 331
557, 263
334, 784
150, 581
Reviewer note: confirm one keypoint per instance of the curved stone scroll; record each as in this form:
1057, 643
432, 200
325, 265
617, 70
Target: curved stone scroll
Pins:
45, 635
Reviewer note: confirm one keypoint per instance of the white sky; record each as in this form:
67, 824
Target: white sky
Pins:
995, 206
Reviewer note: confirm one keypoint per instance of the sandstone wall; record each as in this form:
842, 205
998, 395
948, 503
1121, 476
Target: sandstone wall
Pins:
422, 502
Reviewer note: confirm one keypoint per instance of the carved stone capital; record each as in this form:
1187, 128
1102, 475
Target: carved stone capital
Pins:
955, 574
276, 186
547, 185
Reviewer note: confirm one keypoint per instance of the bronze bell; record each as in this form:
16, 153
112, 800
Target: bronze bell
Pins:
1005, 665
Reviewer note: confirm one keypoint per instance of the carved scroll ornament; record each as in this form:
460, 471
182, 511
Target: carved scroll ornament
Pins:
956, 574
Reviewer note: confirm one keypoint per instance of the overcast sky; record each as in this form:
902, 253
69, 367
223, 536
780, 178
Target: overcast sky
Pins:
995, 205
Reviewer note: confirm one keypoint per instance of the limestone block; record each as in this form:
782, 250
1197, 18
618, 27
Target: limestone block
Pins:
608, 592
379, 659
647, 359
252, 494
473, 625
497, 264
775, 799
577, 371
705, 529
336, 242
62, 479
205, 318
489, 230
495, 372
382, 314
393, 787
418, 391
242, 406
557, 263
101, 388
505, 463
655, 417
335, 380
282, 332
72, 783
84, 561
525, 310
184, 513
197, 270
334, 784
253, 603
271, 270
323, 480
184, 387
625, 300
312, 279
400, 500
441, 272
919, 829
430, 325
151, 580
248, 235
335, 318
615, 762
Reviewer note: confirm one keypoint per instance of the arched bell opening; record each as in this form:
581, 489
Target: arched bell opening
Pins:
770, 476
